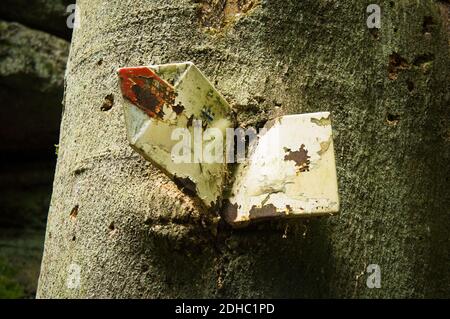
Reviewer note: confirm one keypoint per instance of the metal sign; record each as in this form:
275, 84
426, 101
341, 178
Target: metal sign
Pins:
176, 119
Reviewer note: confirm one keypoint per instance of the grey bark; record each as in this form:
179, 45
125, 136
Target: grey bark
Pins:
134, 234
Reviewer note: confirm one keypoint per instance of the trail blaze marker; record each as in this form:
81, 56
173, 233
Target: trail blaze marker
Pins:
290, 168
290, 172
164, 98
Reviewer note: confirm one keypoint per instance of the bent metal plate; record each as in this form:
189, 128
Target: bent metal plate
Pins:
290, 172
161, 103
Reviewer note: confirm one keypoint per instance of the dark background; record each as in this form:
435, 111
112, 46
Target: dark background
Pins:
34, 44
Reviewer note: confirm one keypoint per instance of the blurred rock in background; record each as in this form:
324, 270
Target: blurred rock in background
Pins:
46, 15
34, 45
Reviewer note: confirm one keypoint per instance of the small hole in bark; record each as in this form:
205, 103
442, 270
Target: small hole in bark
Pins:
428, 24
423, 59
108, 103
392, 119
375, 33
74, 238
100, 62
260, 99
396, 64
74, 213
410, 85
148, 221
112, 230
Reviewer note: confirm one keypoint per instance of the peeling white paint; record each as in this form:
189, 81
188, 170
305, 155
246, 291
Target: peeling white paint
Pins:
272, 184
290, 168
151, 137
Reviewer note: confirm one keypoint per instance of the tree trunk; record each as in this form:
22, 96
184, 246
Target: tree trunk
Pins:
130, 232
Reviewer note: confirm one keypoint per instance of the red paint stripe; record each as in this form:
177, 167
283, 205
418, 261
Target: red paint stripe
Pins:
131, 76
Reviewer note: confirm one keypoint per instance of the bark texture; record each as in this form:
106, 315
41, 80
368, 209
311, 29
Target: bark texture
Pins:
134, 234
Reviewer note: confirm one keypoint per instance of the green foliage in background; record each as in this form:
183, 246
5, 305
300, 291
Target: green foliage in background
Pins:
9, 287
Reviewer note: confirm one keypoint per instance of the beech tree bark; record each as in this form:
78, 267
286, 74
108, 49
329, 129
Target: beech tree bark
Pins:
133, 234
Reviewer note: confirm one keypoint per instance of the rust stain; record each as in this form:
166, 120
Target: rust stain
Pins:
300, 158
145, 89
178, 108
148, 101
265, 211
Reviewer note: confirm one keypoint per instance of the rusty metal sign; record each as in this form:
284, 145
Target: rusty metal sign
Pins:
290, 172
176, 119
165, 101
